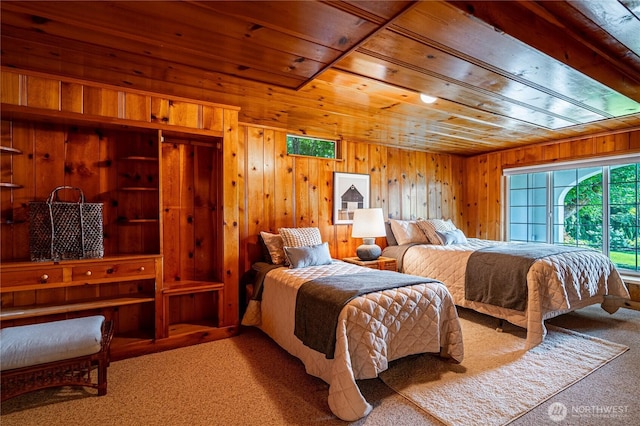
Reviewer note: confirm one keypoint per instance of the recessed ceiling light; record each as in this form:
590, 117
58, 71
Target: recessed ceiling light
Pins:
427, 99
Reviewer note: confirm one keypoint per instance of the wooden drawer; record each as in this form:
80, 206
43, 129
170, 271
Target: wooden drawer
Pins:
23, 276
389, 266
32, 276
116, 270
634, 291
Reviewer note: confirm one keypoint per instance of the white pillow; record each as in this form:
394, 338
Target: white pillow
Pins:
451, 237
407, 231
430, 228
300, 237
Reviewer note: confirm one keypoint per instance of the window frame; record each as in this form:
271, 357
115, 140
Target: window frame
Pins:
337, 151
605, 162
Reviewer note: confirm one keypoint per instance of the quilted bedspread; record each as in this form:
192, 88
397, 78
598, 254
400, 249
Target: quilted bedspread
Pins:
373, 329
556, 284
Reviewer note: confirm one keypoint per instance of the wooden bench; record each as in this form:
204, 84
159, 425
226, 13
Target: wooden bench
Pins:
52, 354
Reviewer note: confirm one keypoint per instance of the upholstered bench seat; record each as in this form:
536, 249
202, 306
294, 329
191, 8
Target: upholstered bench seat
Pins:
55, 353
28, 345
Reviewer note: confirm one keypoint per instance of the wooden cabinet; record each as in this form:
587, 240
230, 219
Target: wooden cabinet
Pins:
168, 277
161, 276
383, 263
122, 288
634, 294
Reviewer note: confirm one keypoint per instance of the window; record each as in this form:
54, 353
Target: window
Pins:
592, 205
624, 218
313, 147
528, 209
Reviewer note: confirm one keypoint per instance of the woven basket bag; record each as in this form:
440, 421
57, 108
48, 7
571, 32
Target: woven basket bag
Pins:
61, 230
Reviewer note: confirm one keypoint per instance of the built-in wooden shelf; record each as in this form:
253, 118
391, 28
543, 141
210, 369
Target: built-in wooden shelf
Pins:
139, 158
190, 328
188, 287
137, 188
9, 150
10, 185
130, 165
43, 310
132, 221
12, 222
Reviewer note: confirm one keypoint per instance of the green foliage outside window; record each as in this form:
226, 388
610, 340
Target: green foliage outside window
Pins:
313, 147
583, 213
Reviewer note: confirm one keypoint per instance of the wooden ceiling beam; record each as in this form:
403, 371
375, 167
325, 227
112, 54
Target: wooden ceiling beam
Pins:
595, 28
520, 20
381, 27
56, 28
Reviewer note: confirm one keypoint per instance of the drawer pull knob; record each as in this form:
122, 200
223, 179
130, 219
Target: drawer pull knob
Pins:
44, 277
88, 273
141, 269
110, 271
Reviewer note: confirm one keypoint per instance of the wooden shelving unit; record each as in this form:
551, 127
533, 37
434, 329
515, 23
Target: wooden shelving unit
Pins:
208, 293
126, 285
167, 278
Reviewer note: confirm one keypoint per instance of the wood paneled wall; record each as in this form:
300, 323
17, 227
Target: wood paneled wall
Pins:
292, 191
483, 206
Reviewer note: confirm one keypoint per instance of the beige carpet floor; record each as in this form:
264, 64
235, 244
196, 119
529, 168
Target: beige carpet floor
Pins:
249, 380
497, 375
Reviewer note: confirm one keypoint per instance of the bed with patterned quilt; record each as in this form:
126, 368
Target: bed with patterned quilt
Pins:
522, 283
385, 316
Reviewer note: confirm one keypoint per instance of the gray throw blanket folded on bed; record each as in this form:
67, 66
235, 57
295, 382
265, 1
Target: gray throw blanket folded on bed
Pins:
261, 268
319, 302
498, 275
397, 252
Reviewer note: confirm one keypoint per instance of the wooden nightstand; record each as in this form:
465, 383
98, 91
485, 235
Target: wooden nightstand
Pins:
634, 292
387, 263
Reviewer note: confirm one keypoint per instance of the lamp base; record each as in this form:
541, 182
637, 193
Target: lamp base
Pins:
369, 250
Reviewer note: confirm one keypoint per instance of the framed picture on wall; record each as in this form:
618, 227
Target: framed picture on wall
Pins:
350, 192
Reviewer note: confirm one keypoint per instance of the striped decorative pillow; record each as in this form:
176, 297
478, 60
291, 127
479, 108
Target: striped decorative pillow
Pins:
300, 237
407, 231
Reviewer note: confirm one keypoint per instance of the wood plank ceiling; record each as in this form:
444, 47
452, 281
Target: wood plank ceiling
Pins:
506, 73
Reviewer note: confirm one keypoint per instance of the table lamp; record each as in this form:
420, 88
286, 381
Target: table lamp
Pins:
368, 224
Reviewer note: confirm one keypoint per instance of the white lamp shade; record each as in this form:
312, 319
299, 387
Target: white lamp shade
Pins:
368, 223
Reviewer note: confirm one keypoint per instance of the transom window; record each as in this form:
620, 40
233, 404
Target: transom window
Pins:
312, 147
591, 205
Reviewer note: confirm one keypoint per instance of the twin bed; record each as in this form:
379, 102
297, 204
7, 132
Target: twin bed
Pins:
372, 329
410, 315
555, 279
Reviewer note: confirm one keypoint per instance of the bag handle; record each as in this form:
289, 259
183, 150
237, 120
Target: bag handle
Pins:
54, 194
